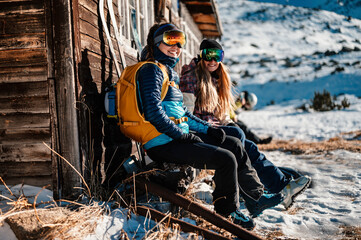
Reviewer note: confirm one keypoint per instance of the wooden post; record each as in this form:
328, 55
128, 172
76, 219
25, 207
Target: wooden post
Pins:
65, 89
196, 208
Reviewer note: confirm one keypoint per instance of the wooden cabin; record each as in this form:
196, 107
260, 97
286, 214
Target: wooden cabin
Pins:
55, 65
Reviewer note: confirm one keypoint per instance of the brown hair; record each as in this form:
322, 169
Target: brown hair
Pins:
214, 98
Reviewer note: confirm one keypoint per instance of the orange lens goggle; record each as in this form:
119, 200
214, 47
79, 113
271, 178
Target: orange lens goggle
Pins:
171, 38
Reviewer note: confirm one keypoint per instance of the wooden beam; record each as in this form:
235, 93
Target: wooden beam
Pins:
24, 120
38, 181
204, 18
64, 70
211, 34
35, 40
23, 7
205, 9
23, 153
195, 208
13, 136
26, 89
197, 3
37, 104
25, 169
23, 74
22, 57
190, 1
208, 27
20, 25
184, 226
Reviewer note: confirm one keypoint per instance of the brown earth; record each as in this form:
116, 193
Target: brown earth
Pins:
347, 141
33, 225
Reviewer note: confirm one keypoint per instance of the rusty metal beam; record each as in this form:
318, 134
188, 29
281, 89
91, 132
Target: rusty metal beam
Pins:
184, 226
195, 208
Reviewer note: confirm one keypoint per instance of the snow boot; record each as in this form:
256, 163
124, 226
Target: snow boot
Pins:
266, 140
240, 219
293, 189
255, 208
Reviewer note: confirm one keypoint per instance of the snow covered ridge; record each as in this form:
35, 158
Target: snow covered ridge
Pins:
269, 46
345, 7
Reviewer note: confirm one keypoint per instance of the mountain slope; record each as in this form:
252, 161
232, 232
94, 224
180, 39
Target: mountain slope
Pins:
271, 47
350, 8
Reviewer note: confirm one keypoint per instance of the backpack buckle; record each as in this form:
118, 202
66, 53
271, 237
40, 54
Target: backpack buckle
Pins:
179, 120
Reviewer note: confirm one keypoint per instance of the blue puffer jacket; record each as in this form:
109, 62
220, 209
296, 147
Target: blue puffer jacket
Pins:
157, 112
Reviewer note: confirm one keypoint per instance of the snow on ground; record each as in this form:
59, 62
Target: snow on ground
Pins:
285, 54
332, 201
334, 198
335, 194
285, 121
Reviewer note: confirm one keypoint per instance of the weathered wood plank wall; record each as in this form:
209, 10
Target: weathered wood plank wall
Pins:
24, 98
55, 65
102, 144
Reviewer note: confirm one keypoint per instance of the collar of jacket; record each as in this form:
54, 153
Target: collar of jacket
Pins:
164, 59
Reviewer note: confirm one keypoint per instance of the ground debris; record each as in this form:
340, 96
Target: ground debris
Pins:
26, 225
300, 147
351, 232
55, 222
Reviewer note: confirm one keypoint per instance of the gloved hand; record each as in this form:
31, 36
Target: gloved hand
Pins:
217, 134
189, 138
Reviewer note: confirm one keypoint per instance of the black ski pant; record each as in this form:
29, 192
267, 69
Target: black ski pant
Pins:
249, 134
233, 169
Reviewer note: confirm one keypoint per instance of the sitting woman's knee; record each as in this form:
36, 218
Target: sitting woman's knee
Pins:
226, 158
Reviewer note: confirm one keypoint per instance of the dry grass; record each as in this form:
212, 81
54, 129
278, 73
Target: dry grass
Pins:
351, 143
30, 222
55, 223
351, 233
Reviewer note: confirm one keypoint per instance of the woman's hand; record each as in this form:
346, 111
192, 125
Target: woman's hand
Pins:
189, 138
217, 134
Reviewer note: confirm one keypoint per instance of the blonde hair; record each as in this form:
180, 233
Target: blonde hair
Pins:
211, 98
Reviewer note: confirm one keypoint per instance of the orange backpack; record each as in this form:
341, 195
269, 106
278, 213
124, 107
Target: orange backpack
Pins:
131, 121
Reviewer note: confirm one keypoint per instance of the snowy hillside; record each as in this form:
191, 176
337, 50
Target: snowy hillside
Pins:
345, 7
284, 54
270, 47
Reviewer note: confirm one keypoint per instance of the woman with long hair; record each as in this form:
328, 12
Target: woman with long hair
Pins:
184, 138
207, 90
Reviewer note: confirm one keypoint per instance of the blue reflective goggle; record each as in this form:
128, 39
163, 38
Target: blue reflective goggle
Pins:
212, 53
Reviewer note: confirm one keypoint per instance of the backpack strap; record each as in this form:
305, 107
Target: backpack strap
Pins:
166, 81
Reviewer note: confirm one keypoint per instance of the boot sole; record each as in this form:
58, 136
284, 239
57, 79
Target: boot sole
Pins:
302, 190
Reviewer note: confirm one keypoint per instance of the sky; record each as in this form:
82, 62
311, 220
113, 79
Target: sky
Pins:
285, 54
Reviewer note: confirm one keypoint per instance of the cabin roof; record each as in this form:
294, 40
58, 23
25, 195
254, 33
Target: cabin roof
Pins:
205, 15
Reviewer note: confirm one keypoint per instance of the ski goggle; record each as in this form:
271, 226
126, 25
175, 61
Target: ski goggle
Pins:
212, 53
171, 38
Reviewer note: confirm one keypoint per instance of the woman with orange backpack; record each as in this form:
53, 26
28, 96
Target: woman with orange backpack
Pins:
186, 139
